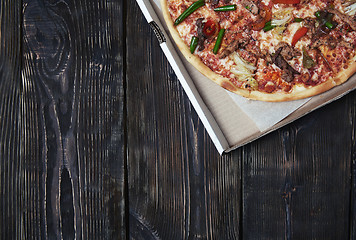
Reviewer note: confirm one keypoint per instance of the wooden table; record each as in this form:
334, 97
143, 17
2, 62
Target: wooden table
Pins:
99, 141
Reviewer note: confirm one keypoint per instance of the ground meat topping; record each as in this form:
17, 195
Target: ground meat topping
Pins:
287, 51
201, 38
287, 71
344, 17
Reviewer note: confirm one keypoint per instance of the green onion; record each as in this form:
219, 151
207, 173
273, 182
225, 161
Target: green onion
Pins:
317, 14
189, 11
218, 41
298, 19
329, 25
225, 8
268, 26
193, 44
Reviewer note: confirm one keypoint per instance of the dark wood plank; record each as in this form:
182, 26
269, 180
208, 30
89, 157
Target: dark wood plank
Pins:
352, 115
179, 187
73, 120
12, 178
297, 180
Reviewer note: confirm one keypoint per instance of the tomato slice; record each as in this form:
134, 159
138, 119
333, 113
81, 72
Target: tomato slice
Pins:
286, 1
298, 34
210, 28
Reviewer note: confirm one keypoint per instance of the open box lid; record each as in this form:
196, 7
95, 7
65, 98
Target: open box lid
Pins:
231, 120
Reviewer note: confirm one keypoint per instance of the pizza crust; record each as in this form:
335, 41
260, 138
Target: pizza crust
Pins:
297, 92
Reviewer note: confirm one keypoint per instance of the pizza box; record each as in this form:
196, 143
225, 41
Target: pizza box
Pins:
231, 120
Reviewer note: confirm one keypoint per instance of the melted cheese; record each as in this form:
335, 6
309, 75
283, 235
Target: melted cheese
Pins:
236, 21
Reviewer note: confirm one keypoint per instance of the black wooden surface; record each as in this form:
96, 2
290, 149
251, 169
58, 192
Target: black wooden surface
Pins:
99, 141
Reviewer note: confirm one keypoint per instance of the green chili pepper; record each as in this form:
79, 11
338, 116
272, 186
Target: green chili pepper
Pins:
298, 19
268, 26
225, 8
317, 14
189, 11
308, 62
193, 44
329, 25
218, 41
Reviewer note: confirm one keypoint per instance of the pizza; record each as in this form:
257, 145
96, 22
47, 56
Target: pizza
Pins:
268, 50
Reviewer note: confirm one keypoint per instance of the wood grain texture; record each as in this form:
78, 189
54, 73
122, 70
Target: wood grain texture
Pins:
85, 89
179, 187
351, 100
15, 207
297, 180
73, 119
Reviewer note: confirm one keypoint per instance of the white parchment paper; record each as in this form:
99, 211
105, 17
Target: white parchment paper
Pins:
266, 114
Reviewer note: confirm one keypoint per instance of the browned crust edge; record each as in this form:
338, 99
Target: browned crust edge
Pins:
297, 92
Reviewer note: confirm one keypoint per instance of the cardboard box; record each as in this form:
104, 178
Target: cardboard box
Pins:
230, 120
